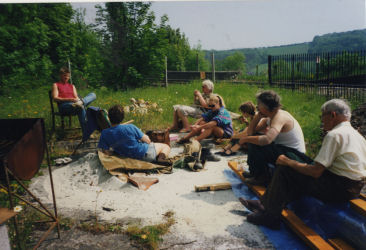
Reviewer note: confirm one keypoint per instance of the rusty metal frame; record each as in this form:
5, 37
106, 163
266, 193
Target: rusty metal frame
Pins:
54, 218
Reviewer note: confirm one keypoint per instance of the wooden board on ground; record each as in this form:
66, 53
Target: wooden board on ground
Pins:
309, 236
213, 187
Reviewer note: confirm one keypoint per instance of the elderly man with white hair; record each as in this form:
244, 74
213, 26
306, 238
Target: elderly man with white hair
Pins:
200, 106
337, 173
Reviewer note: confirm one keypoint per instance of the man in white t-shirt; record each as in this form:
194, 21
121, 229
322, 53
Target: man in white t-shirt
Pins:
337, 173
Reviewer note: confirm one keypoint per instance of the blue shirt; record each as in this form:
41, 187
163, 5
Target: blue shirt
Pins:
223, 119
124, 140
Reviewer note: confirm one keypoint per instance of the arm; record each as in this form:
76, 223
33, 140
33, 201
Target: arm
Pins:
315, 170
145, 139
202, 101
257, 120
59, 99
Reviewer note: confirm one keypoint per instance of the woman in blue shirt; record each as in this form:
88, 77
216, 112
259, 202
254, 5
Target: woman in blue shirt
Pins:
216, 121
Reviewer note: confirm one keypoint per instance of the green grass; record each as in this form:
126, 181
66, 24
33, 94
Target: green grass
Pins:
304, 107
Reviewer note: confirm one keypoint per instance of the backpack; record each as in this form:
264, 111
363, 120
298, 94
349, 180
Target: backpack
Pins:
102, 119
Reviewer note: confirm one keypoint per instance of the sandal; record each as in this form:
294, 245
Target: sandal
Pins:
183, 130
229, 154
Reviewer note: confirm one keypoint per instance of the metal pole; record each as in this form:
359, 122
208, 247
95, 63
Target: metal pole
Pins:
198, 66
68, 61
270, 70
213, 67
166, 72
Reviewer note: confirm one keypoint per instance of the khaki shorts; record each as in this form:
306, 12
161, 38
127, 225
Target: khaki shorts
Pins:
194, 112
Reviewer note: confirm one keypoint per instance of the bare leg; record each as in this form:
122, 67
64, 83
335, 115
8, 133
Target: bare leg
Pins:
184, 119
175, 121
204, 134
162, 148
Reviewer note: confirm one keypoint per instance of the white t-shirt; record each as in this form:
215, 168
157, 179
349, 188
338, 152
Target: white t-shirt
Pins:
343, 152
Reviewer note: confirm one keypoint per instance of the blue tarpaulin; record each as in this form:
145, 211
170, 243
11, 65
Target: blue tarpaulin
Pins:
328, 220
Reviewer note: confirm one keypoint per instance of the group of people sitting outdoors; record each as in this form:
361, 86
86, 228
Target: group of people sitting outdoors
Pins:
273, 139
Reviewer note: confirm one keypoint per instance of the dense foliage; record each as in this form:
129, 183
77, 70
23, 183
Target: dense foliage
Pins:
125, 48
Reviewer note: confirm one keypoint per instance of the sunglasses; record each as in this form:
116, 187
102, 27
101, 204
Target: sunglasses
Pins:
211, 105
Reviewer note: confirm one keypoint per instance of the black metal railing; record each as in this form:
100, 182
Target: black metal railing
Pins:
334, 74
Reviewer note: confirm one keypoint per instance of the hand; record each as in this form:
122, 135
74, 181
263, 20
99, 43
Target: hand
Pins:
197, 93
195, 128
283, 160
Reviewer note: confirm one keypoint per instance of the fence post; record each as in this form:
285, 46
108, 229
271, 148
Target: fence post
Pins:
198, 66
213, 67
293, 71
328, 75
166, 72
270, 70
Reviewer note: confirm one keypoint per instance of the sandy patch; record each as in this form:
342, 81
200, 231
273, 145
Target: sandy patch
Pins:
84, 185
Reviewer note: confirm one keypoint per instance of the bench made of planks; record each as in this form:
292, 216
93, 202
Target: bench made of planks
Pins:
309, 236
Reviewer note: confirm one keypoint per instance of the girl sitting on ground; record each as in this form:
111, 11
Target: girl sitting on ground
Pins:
247, 110
215, 122
200, 106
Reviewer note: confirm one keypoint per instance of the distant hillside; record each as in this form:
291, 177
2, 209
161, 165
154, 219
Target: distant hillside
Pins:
351, 40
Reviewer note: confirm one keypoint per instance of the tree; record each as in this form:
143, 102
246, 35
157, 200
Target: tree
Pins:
234, 62
133, 51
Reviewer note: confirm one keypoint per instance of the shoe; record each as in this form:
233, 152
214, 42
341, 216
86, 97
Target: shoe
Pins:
252, 205
162, 160
229, 154
265, 219
198, 165
246, 174
212, 157
256, 181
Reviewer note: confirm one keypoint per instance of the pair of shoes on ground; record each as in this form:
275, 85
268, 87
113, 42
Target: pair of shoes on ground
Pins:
259, 216
227, 152
61, 161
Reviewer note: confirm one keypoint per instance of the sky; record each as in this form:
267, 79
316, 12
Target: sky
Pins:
222, 25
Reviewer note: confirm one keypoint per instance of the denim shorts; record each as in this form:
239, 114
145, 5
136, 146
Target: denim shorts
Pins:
150, 154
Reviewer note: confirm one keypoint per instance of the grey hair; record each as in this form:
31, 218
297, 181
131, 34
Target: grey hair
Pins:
341, 107
209, 84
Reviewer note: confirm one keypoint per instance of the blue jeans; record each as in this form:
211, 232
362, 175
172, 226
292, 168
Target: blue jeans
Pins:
66, 108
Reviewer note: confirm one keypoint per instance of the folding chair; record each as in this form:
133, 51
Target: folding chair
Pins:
54, 114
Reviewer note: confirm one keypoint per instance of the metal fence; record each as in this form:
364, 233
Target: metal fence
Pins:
334, 74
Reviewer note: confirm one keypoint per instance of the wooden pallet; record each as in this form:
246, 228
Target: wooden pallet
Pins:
309, 236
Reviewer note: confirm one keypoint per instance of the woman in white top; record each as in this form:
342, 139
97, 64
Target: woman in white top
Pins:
283, 135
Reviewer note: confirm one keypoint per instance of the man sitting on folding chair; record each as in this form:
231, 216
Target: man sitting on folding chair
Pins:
64, 93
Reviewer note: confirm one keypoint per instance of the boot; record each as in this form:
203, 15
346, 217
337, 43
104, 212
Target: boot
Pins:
265, 219
207, 155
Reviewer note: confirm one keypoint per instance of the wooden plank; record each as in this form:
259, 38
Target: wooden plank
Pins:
213, 187
363, 197
6, 214
359, 206
340, 244
309, 236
